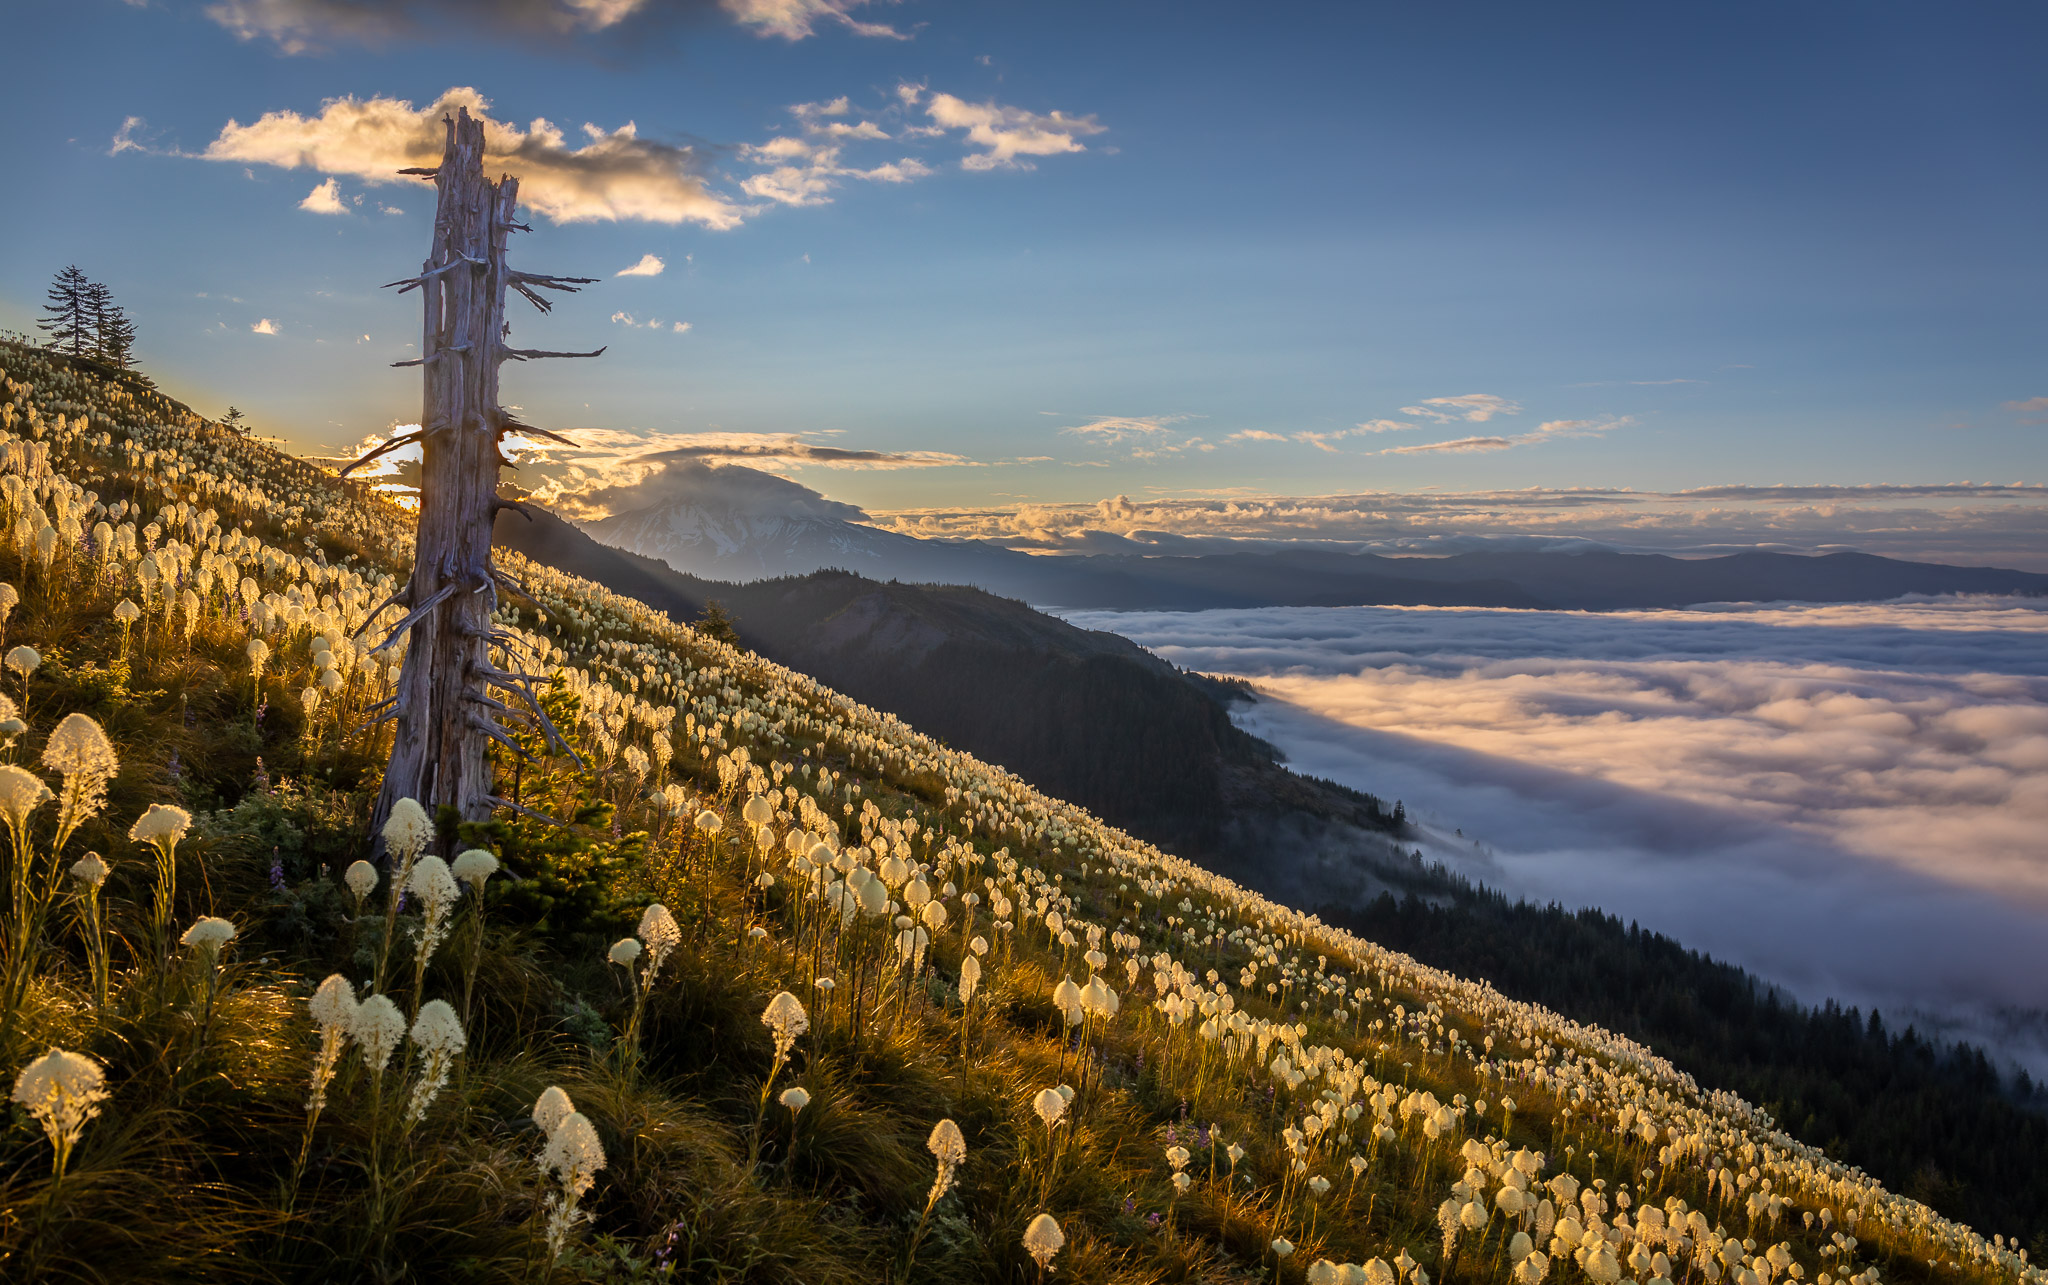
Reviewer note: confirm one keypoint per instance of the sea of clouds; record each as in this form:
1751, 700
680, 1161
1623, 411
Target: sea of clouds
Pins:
1851, 801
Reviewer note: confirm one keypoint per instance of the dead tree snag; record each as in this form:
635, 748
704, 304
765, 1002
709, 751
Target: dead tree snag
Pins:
446, 711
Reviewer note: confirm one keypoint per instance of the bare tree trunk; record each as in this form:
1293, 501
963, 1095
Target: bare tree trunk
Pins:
444, 706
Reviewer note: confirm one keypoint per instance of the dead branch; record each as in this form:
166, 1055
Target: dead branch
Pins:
416, 615
403, 439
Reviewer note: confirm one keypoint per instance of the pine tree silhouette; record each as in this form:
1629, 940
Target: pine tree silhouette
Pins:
67, 320
113, 335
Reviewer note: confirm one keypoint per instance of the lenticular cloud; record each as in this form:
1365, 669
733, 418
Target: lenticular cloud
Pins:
1848, 799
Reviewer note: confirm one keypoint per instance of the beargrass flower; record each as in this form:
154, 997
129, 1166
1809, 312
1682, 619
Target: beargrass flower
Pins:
473, 866
378, 1026
438, 1035
573, 1156
407, 831
552, 1107
624, 952
334, 1013
796, 1098
21, 792
1043, 1240
207, 935
361, 878
79, 750
950, 1147
658, 931
1050, 1104
437, 890
786, 1020
63, 1092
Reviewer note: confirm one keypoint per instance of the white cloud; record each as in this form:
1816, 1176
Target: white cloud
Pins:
902, 171
614, 175
797, 19
325, 199
1796, 788
1456, 446
649, 266
610, 471
1475, 407
1007, 133
1548, 431
627, 319
1118, 428
124, 138
808, 170
795, 184
2032, 408
1255, 435
1385, 426
265, 327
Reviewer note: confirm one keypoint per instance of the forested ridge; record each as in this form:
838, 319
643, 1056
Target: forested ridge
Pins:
1931, 1118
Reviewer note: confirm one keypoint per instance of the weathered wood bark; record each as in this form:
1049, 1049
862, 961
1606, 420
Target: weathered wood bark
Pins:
446, 713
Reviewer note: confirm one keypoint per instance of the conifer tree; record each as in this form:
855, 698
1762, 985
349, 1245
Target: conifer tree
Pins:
117, 338
67, 320
113, 335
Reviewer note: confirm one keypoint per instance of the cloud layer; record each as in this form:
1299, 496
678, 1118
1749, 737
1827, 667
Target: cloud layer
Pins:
1848, 799
2005, 525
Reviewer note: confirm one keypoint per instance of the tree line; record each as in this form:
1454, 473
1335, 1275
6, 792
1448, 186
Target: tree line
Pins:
1930, 1118
83, 320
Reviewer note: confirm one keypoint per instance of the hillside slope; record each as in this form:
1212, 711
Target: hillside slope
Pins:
1082, 715
1015, 687
1024, 1040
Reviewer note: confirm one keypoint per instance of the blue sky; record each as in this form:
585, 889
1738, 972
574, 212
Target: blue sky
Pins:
1643, 247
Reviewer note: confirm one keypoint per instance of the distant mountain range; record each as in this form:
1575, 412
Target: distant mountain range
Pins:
729, 541
1086, 713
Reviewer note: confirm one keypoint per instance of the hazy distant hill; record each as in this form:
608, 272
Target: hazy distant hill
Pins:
730, 540
1086, 714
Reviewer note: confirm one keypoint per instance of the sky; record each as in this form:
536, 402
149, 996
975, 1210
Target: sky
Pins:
957, 263
1798, 789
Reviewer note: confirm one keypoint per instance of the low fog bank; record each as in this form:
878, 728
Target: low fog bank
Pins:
1846, 800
